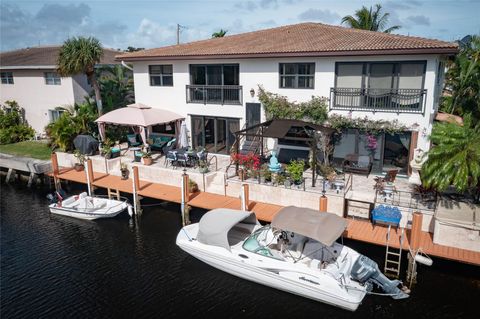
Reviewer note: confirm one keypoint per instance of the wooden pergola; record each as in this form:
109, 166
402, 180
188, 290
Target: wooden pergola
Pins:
285, 129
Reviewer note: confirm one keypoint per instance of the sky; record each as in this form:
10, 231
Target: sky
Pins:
153, 23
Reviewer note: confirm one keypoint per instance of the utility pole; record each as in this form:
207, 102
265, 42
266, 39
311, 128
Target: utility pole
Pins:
178, 32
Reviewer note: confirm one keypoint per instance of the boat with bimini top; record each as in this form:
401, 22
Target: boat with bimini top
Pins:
297, 253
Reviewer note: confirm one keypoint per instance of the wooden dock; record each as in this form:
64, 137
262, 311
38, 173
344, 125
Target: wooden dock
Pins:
357, 229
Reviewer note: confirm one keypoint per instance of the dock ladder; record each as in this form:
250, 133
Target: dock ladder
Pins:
393, 256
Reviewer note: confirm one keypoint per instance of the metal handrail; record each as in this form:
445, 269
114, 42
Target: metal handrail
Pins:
378, 100
216, 161
214, 94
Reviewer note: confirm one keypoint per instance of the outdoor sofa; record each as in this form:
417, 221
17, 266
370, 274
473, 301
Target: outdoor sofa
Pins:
359, 164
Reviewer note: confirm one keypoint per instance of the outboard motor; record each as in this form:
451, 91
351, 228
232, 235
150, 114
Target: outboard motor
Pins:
366, 271
57, 196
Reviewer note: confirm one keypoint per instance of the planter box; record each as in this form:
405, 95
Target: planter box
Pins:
457, 225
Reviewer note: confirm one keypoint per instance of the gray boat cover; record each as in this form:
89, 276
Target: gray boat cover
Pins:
323, 227
86, 144
214, 225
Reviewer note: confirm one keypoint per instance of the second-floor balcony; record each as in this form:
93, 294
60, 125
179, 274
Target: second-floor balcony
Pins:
378, 100
214, 94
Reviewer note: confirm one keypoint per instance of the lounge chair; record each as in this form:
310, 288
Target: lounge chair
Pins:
133, 140
158, 141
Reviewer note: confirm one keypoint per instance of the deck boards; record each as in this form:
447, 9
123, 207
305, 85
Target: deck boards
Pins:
357, 229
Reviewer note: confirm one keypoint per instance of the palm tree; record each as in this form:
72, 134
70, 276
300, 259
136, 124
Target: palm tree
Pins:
463, 79
369, 19
79, 55
219, 34
455, 157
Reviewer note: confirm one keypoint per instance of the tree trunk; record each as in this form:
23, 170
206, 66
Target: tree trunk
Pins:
98, 96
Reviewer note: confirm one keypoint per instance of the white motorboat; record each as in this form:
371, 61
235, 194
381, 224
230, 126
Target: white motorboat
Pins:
297, 253
88, 207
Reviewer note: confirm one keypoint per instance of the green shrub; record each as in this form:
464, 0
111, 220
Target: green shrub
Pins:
295, 170
13, 127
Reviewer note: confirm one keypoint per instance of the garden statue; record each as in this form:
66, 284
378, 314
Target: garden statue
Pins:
274, 164
419, 157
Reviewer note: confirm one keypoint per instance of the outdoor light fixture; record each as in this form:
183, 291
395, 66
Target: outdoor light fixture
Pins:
252, 92
323, 190
424, 132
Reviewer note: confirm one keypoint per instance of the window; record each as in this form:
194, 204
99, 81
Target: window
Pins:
297, 75
52, 78
161, 75
380, 75
7, 78
54, 115
214, 74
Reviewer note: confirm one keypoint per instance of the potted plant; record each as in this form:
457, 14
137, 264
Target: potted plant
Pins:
147, 158
80, 164
124, 170
295, 171
203, 166
192, 186
107, 149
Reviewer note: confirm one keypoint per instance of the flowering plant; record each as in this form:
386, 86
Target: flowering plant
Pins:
371, 142
249, 161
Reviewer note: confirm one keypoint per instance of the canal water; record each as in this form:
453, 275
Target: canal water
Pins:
59, 267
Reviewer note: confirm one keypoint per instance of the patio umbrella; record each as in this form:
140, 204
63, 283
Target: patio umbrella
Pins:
183, 138
139, 115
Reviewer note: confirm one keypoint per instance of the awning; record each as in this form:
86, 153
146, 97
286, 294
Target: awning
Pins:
323, 227
139, 115
215, 225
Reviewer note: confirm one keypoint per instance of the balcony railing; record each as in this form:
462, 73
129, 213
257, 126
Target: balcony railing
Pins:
378, 100
214, 94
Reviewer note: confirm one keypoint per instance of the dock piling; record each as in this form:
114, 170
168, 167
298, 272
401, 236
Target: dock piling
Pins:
136, 187
415, 234
323, 203
55, 170
245, 197
89, 173
185, 198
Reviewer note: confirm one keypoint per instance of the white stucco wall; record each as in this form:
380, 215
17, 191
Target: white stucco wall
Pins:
265, 71
36, 97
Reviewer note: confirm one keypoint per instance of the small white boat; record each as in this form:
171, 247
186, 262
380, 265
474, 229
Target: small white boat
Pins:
296, 253
89, 207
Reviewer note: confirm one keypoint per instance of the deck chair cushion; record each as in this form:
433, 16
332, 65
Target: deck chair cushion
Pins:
132, 139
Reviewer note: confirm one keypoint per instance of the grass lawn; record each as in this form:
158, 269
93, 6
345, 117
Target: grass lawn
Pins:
34, 149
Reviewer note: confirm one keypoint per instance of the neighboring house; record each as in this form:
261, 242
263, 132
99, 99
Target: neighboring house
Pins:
28, 76
214, 83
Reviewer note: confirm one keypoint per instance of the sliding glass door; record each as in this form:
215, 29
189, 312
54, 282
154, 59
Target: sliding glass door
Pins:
214, 134
387, 151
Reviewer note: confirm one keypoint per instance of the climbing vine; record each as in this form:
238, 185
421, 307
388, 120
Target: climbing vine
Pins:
279, 107
316, 111
340, 123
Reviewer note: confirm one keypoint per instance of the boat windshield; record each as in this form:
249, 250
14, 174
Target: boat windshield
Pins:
253, 244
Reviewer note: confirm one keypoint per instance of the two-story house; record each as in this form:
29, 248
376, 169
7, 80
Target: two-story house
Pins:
214, 83
29, 77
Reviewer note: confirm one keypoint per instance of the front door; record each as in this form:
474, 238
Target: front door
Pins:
253, 116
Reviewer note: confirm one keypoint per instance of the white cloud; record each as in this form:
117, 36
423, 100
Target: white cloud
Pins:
53, 24
419, 20
320, 15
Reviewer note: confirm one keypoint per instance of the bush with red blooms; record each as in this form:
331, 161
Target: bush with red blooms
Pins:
249, 161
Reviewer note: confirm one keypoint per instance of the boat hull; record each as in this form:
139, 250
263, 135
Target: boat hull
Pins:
311, 287
112, 209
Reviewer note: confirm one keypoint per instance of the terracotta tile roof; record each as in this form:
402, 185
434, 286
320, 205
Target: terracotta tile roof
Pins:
43, 56
304, 39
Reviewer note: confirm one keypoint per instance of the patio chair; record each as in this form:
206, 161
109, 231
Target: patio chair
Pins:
170, 146
158, 141
355, 163
133, 140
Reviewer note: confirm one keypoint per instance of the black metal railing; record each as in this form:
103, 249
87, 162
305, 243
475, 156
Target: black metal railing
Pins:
378, 100
214, 94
